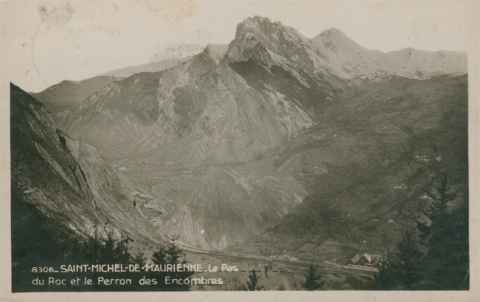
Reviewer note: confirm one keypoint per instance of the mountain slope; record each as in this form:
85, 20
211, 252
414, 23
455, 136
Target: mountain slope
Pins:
356, 61
167, 59
68, 94
367, 167
203, 108
202, 123
210, 117
148, 67
228, 143
66, 180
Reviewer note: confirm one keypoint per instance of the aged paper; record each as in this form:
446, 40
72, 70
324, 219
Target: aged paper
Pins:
221, 149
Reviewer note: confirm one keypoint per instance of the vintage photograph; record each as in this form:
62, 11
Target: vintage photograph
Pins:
239, 146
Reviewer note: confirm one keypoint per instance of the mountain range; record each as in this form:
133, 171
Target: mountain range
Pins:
275, 143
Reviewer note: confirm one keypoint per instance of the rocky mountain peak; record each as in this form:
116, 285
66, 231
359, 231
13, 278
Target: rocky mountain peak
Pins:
253, 32
336, 40
272, 43
257, 23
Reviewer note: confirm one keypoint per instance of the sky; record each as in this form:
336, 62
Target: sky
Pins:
48, 41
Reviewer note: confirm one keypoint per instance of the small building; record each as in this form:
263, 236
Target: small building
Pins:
366, 259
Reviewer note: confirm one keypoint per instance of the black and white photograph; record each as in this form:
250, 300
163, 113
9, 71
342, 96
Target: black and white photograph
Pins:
238, 145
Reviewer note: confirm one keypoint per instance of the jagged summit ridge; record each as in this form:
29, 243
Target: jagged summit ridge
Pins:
332, 52
275, 44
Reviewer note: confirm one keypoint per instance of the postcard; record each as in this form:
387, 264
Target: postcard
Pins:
285, 148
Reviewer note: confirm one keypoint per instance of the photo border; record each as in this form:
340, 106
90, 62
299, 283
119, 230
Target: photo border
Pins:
473, 51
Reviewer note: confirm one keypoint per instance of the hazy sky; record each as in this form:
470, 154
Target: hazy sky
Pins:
52, 40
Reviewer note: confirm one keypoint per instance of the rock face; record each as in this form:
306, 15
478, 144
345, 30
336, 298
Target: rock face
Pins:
192, 123
203, 108
67, 180
248, 137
